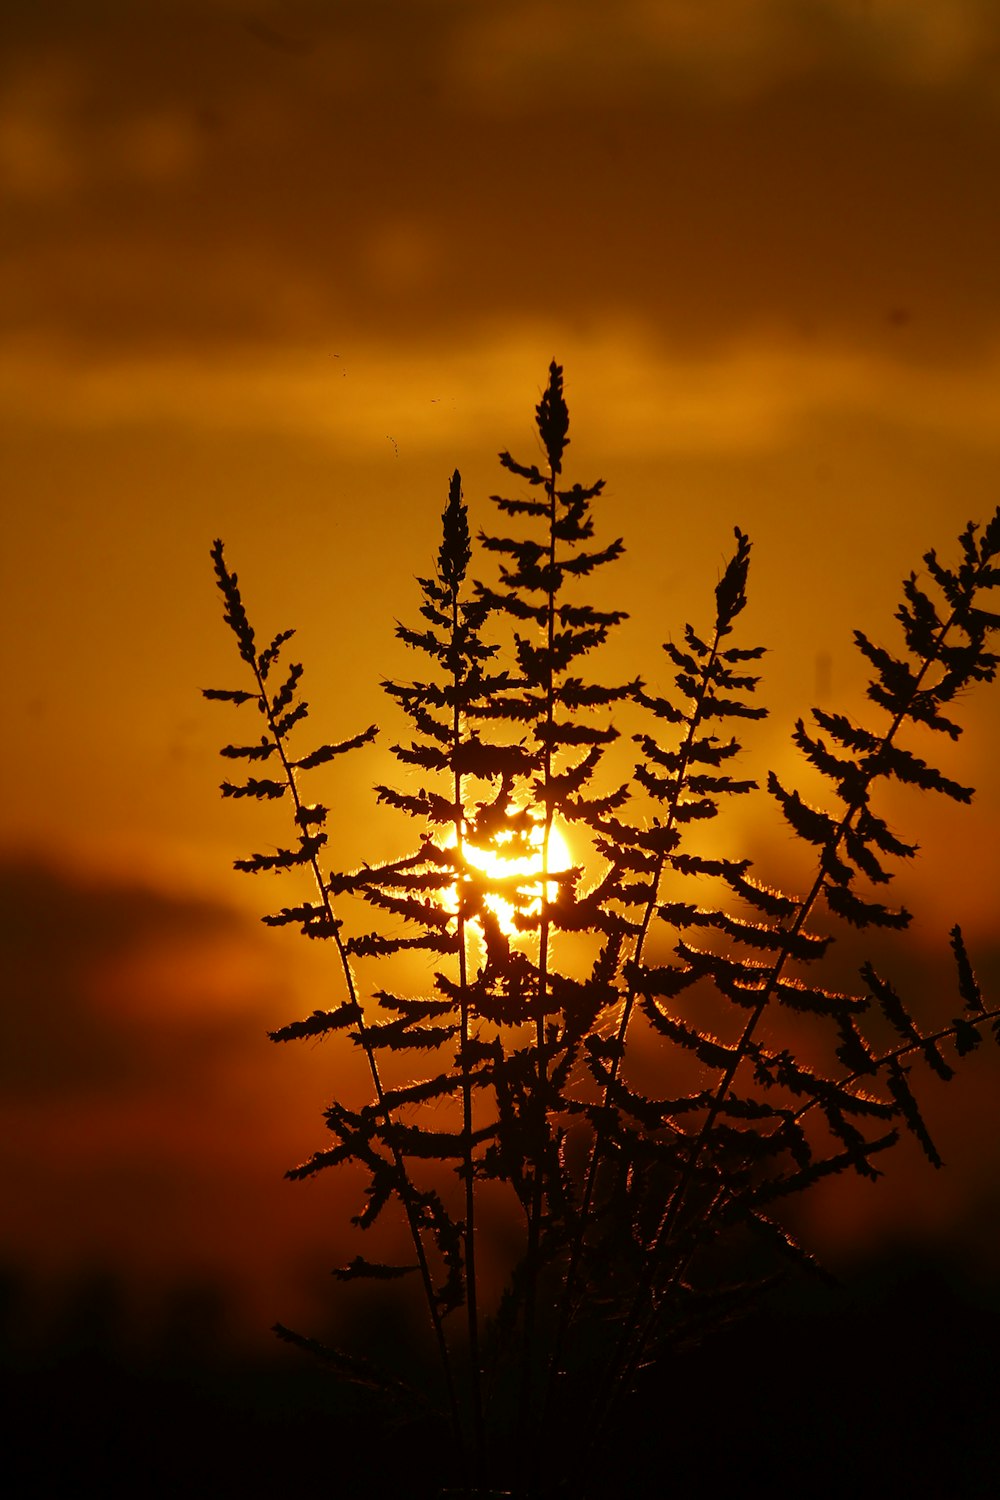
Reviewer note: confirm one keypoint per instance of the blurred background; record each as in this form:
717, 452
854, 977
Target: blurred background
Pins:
271, 269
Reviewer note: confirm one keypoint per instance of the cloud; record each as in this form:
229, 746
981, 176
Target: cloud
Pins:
182, 184
730, 50
48, 154
631, 395
145, 1120
89, 967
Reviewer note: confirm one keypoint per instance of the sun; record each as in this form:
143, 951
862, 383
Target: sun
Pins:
527, 864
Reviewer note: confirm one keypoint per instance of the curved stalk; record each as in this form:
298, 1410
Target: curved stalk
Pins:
540, 1123
402, 1176
471, 1287
639, 1324
586, 1207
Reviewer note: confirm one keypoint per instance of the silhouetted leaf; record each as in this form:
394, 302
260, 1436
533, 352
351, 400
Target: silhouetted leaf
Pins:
968, 984
324, 753
262, 751
862, 913
228, 695
319, 1023
270, 655
371, 1270
254, 788
909, 1109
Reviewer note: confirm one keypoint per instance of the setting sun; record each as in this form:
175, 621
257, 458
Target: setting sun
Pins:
528, 866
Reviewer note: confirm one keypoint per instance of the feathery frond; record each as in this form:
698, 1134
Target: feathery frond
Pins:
554, 985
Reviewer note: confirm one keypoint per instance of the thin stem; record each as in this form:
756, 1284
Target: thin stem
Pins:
540, 1109
625, 1362
600, 1136
402, 1177
947, 1033
471, 1290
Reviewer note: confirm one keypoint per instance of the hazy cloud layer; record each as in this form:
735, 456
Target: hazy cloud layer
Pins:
88, 1009
630, 397
145, 1120
189, 176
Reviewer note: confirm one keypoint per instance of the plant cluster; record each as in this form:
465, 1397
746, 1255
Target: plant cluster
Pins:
561, 989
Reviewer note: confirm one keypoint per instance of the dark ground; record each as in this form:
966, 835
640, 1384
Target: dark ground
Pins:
890, 1386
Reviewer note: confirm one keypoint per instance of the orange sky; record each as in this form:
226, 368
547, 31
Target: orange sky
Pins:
271, 271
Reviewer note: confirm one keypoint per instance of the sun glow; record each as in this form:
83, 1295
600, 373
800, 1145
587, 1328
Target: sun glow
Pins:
522, 867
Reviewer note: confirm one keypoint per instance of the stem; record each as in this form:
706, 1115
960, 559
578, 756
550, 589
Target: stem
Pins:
625, 1363
600, 1136
540, 1108
897, 1053
471, 1294
405, 1187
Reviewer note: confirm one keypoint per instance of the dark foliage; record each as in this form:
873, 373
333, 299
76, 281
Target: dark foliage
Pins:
642, 1219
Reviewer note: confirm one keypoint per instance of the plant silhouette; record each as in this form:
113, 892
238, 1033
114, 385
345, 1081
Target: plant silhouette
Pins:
552, 1004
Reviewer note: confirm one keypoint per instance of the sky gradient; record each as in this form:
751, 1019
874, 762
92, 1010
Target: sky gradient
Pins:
272, 271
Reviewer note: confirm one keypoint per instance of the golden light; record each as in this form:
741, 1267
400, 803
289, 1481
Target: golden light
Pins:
526, 866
